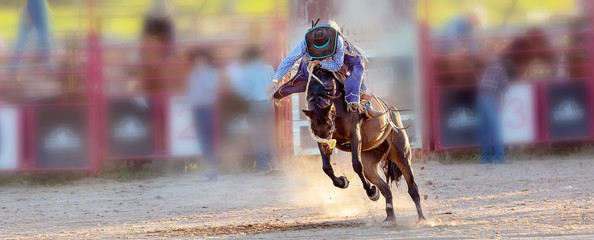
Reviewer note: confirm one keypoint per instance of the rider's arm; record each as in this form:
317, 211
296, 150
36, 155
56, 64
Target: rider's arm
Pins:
288, 62
337, 59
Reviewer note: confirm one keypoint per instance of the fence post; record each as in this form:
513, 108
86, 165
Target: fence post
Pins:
95, 100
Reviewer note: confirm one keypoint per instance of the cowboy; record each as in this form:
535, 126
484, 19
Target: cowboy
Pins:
326, 47
34, 16
460, 30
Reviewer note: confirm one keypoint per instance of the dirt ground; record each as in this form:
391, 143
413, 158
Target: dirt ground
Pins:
529, 199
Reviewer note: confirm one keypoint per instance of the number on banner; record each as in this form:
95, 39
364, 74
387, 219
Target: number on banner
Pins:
517, 116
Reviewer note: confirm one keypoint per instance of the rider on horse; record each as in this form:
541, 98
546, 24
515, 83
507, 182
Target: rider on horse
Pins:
326, 47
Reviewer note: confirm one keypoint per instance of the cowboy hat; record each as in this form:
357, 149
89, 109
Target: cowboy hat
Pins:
321, 41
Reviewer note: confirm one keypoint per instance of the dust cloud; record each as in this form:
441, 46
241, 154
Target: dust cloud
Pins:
308, 186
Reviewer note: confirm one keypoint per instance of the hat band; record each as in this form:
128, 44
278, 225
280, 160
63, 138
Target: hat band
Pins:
323, 46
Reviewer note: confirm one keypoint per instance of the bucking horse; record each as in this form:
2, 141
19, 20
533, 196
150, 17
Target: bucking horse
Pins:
369, 140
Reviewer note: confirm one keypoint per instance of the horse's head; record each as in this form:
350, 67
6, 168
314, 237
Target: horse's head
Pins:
322, 120
533, 45
540, 42
322, 112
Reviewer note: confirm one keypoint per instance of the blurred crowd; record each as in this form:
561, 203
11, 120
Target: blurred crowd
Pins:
236, 76
162, 64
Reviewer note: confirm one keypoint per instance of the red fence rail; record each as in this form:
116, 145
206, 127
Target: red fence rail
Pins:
549, 94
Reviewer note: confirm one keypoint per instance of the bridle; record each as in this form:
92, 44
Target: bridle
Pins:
330, 121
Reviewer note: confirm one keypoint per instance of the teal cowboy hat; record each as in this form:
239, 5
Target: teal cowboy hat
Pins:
322, 40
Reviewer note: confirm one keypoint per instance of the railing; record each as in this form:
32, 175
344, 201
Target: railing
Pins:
542, 108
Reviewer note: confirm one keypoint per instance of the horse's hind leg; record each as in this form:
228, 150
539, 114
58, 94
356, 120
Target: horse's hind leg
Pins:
400, 154
325, 151
370, 161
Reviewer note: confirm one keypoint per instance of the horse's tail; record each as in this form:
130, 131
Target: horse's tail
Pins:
392, 172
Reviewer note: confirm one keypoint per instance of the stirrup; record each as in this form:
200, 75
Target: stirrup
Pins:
370, 112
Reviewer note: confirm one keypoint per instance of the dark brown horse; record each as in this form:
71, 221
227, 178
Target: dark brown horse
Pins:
370, 141
464, 69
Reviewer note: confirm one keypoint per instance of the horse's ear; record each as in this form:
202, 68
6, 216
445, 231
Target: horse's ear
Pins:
329, 108
307, 113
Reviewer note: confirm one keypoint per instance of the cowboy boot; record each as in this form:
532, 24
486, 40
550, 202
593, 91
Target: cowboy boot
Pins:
370, 112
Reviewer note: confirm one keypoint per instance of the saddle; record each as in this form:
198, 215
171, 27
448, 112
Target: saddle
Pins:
365, 97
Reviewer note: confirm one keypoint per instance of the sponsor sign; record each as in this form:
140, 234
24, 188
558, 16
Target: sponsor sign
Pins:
131, 127
568, 110
458, 117
61, 138
9, 138
182, 136
517, 116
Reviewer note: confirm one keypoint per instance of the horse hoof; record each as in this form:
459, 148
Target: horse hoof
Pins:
344, 182
390, 220
375, 195
421, 220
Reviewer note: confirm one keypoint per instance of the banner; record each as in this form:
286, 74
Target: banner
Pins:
458, 118
568, 110
517, 116
182, 136
61, 137
9, 138
131, 127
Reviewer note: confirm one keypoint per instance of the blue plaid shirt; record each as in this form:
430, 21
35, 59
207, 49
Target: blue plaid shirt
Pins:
301, 51
495, 78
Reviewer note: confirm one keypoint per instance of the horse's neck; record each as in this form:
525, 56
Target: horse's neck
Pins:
322, 82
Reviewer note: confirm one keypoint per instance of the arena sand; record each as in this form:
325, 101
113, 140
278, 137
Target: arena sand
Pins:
530, 199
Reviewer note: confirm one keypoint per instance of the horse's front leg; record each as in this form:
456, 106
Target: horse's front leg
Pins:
325, 151
356, 142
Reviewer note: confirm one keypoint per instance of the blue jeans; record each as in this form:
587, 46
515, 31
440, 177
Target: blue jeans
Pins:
261, 121
33, 20
204, 125
490, 129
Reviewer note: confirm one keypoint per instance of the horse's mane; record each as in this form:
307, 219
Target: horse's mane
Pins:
524, 41
525, 46
322, 92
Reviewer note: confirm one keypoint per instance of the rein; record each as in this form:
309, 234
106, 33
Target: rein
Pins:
310, 72
330, 142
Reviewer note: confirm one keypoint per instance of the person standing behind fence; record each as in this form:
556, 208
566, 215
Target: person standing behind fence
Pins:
202, 95
251, 79
158, 24
157, 43
459, 32
34, 16
510, 64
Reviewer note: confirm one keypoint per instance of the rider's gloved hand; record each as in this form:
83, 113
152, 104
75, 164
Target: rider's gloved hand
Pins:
355, 107
272, 88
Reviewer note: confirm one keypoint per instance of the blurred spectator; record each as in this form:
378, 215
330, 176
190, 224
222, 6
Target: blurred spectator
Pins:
459, 32
202, 95
251, 77
159, 25
34, 16
492, 85
158, 38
